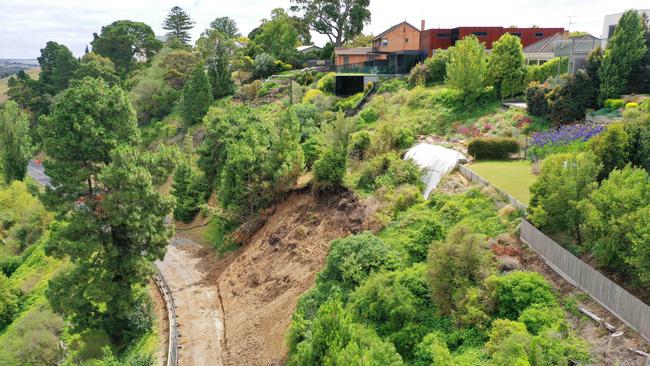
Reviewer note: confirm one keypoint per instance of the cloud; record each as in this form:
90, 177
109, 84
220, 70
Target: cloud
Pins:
29, 24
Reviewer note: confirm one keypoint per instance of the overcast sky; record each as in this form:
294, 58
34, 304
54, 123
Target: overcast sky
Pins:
26, 25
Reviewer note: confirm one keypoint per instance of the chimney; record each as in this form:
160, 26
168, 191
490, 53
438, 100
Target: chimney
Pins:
422, 25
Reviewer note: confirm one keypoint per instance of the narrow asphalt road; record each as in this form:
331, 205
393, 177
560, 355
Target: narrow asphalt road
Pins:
37, 172
197, 305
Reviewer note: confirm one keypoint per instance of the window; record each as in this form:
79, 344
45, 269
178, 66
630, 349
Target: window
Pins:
384, 42
406, 40
442, 35
539, 34
517, 34
480, 34
346, 60
610, 31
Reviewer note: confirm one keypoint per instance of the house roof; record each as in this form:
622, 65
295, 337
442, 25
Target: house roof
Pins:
352, 51
307, 47
548, 44
395, 27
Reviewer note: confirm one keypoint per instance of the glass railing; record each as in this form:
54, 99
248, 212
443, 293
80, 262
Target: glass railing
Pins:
372, 70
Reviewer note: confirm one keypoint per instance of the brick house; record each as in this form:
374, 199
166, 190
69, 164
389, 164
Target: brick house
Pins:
443, 38
393, 51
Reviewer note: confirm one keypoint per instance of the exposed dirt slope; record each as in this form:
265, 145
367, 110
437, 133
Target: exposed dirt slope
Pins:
260, 283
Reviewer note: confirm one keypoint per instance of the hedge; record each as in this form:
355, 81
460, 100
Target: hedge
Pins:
614, 103
492, 148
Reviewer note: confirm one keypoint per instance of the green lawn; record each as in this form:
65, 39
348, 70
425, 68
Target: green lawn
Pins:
514, 176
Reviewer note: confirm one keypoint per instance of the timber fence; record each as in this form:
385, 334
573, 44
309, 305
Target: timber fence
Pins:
172, 355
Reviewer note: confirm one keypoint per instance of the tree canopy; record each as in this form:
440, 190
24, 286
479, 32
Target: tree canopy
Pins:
15, 143
126, 42
506, 66
276, 36
57, 66
178, 23
340, 21
85, 125
226, 26
624, 51
466, 69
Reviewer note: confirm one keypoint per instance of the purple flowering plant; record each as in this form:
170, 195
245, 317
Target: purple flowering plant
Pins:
563, 139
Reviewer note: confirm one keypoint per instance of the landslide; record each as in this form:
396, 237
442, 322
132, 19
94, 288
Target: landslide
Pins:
260, 283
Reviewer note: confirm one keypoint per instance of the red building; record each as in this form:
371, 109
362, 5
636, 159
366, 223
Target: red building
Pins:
433, 39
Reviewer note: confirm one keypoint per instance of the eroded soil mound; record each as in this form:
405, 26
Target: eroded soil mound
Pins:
260, 283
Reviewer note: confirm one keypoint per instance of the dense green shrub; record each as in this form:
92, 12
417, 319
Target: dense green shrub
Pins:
349, 103
565, 180
388, 170
9, 301
191, 191
514, 292
569, 101
266, 88
327, 83
541, 73
609, 216
334, 339
392, 85
264, 65
433, 351
329, 169
22, 217
418, 75
413, 232
369, 115
541, 316
536, 102
436, 66
310, 118
197, 96
353, 259
611, 148
455, 264
311, 150
404, 197
614, 103
34, 339
359, 144
307, 77
492, 148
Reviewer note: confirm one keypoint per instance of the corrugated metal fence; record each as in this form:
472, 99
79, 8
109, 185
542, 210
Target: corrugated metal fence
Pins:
478, 179
625, 306
632, 311
172, 356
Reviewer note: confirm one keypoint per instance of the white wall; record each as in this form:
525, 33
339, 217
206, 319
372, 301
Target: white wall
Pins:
613, 19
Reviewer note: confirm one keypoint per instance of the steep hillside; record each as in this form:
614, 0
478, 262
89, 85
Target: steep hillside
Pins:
260, 283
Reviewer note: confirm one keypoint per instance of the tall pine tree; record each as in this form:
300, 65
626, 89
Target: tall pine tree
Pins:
640, 78
111, 217
178, 23
197, 95
15, 142
624, 51
218, 70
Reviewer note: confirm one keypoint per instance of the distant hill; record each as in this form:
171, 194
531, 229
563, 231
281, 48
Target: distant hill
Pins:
9, 67
33, 72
